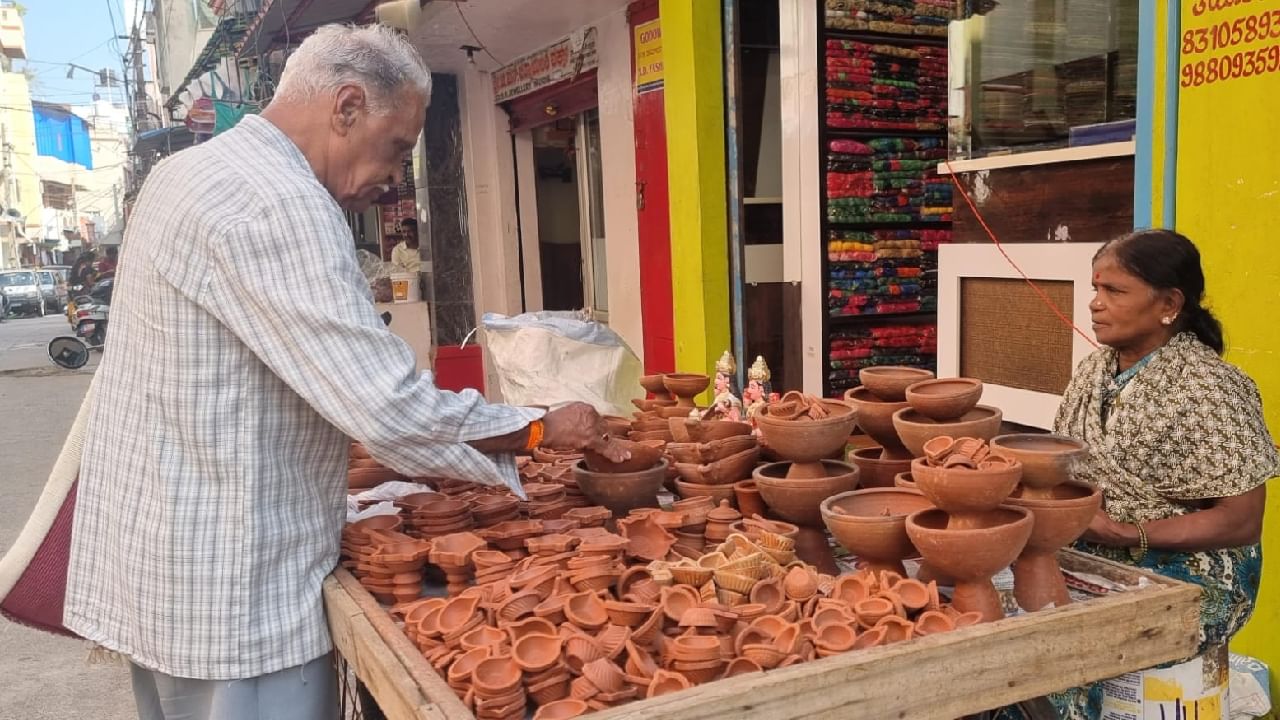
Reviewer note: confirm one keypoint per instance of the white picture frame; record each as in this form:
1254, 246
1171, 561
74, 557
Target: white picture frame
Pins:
1071, 262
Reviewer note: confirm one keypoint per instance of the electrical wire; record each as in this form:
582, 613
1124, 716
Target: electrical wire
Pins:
955, 180
458, 6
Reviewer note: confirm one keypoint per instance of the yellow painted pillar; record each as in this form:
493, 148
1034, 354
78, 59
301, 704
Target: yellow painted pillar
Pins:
694, 87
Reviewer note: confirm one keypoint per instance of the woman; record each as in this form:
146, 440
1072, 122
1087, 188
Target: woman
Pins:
1176, 435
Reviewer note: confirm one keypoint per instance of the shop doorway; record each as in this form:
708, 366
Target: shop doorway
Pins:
569, 202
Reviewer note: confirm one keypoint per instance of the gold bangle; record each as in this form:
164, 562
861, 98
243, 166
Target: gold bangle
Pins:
1140, 552
535, 435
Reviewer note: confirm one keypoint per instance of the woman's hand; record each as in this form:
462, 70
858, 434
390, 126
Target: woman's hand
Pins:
577, 426
1105, 531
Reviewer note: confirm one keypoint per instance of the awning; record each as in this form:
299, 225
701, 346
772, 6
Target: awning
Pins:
165, 140
223, 42
289, 21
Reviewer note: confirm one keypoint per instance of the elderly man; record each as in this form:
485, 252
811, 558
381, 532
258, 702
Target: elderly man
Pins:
245, 352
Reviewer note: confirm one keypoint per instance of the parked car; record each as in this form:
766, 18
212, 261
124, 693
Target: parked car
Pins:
53, 288
22, 288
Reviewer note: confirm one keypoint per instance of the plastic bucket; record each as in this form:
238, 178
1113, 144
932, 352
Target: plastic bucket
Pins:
405, 288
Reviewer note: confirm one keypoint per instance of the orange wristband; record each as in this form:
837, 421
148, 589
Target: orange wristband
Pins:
535, 435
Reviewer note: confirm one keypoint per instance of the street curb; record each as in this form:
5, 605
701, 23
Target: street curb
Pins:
44, 372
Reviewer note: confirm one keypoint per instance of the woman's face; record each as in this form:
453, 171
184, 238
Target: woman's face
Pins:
1126, 311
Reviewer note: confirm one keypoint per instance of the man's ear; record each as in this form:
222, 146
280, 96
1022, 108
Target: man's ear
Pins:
349, 103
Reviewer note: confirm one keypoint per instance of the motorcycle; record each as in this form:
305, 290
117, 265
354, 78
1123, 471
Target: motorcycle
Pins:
90, 323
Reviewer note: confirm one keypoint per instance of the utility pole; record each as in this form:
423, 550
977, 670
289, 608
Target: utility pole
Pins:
9, 236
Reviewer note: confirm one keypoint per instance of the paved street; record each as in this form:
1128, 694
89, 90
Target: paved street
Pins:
44, 677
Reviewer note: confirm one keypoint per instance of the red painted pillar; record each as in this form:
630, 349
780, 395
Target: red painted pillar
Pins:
652, 209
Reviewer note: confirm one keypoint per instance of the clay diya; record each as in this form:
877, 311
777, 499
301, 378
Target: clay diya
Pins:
915, 429
727, 470
700, 453
646, 539
874, 469
944, 399
875, 418
655, 386
1047, 460
890, 382
693, 430
1059, 520
561, 710
621, 492
872, 524
974, 553
685, 386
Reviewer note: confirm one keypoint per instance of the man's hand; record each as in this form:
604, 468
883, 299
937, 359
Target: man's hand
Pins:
577, 426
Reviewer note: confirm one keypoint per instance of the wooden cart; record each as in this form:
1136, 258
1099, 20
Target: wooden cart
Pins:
941, 676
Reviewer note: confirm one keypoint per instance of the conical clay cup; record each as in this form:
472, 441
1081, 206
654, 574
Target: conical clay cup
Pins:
974, 554
1038, 580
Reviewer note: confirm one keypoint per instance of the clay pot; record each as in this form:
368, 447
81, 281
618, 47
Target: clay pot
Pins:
963, 492
665, 683
1059, 520
1047, 460
982, 422
654, 385
535, 653
875, 418
972, 555
586, 610
944, 399
721, 472
890, 382
646, 539
561, 710
874, 471
621, 492
644, 455
799, 500
685, 386
748, 497
872, 524
932, 622
809, 441
717, 493
496, 676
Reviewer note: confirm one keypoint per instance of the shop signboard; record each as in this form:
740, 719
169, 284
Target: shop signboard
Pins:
562, 60
648, 61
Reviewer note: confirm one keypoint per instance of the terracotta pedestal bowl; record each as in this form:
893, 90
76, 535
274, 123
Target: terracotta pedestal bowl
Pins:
875, 418
807, 443
655, 385
872, 524
972, 555
1059, 520
685, 386
945, 399
1046, 460
982, 422
621, 492
890, 382
799, 501
966, 494
874, 470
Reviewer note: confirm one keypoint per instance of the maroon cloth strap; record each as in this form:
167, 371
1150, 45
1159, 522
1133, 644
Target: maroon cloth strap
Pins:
39, 595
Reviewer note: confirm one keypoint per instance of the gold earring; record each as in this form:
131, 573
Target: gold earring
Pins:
1166, 320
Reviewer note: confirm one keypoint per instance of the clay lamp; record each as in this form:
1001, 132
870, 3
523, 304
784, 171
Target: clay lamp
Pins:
519, 605
896, 629
491, 559
586, 610
875, 418
770, 594
915, 429
536, 652
561, 710
551, 544
650, 630
655, 386
606, 676
459, 675
974, 553
944, 399
551, 609
665, 682
699, 672
1047, 460
763, 655
537, 578
621, 492
581, 649
646, 539
872, 610
741, 666
695, 648
800, 583
496, 677
933, 622
550, 687
832, 639
699, 619
872, 524
588, 517
612, 639
688, 572
1060, 519
484, 636
627, 614
701, 453
456, 613
529, 626
685, 386
889, 383
414, 502
676, 601
874, 637
639, 662
725, 471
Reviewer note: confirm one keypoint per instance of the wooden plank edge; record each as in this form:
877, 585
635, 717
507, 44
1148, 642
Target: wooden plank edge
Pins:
982, 667
355, 639
433, 687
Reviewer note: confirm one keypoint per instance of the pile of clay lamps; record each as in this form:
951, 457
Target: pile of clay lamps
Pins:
586, 619
388, 563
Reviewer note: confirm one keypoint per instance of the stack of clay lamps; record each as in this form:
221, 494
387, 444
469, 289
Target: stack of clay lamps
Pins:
452, 554
432, 515
882, 393
711, 468
363, 472
806, 431
386, 562
971, 534
691, 536
946, 406
1062, 510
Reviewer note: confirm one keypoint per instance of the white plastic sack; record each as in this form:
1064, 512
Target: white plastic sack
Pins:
549, 358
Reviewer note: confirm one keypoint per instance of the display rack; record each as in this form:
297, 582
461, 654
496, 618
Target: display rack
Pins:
884, 207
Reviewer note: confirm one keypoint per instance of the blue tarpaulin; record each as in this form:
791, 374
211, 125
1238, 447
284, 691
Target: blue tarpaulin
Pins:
62, 134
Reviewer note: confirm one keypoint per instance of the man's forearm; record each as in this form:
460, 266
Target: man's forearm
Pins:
509, 443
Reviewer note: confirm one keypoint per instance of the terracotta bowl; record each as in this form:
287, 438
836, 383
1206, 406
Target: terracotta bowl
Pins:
562, 709
890, 382
872, 524
715, 492
496, 676
905, 480
972, 554
945, 399
685, 385
964, 490
644, 454
721, 472
704, 431
808, 441
875, 418
799, 501
621, 492
1062, 518
874, 471
654, 384
1047, 460
709, 452
982, 422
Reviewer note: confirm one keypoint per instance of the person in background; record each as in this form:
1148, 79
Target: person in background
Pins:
82, 270
405, 256
246, 355
108, 263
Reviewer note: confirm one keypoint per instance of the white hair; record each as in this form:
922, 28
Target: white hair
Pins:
376, 58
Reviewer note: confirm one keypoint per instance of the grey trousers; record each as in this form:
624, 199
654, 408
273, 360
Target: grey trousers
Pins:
302, 692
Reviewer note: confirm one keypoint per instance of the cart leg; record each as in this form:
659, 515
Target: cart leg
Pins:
369, 709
